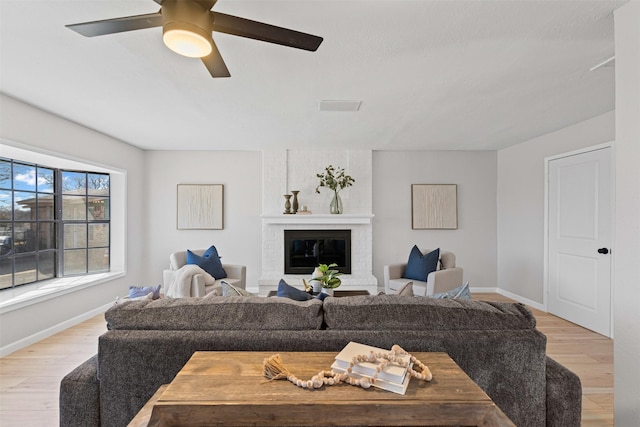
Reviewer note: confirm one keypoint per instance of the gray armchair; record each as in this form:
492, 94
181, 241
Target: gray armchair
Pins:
236, 274
446, 278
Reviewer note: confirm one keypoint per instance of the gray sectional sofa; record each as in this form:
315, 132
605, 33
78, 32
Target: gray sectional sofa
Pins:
148, 342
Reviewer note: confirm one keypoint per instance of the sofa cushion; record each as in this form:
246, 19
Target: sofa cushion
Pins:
216, 313
397, 312
216, 288
396, 284
419, 266
447, 260
564, 395
406, 290
461, 292
209, 262
228, 290
144, 291
80, 396
287, 291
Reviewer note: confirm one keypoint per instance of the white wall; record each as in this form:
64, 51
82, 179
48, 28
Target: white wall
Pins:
474, 242
45, 132
521, 202
239, 242
294, 169
626, 249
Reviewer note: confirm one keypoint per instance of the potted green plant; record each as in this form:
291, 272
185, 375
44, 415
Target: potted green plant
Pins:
327, 276
336, 179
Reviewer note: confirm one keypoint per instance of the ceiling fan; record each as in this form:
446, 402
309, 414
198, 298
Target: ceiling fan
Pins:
187, 26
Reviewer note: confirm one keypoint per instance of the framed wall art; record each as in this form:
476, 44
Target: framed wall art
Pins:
200, 206
434, 206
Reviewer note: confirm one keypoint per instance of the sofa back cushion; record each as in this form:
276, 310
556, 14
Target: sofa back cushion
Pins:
179, 259
216, 313
397, 312
447, 259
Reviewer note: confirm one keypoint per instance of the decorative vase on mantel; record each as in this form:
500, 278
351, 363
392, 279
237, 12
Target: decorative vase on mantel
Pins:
287, 204
336, 204
294, 203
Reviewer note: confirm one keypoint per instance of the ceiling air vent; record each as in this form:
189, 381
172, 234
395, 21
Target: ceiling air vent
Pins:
339, 105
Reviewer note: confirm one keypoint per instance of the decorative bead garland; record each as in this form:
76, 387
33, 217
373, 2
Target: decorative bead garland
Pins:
274, 369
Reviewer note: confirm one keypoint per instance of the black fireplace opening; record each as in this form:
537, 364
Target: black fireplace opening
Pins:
306, 249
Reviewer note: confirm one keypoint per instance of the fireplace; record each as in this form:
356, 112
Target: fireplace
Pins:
292, 170
305, 249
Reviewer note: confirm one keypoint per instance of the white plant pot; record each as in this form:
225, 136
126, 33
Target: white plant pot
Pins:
328, 291
317, 287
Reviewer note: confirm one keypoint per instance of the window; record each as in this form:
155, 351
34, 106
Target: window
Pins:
53, 223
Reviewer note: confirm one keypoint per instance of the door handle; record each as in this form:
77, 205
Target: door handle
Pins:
603, 251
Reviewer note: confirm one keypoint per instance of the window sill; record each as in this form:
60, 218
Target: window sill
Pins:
22, 296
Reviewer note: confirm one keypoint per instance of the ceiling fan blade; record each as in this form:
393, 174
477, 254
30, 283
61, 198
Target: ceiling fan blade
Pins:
117, 25
215, 64
242, 27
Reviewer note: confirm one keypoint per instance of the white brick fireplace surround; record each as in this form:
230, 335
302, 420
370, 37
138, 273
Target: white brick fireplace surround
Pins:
286, 170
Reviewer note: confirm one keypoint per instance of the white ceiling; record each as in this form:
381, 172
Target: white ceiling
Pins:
455, 74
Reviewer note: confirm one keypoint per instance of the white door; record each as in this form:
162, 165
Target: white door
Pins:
579, 241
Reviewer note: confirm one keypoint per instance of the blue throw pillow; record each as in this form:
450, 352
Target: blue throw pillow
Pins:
419, 266
143, 291
209, 262
461, 292
288, 291
322, 295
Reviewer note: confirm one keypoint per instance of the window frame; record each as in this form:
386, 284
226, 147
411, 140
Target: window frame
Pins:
57, 223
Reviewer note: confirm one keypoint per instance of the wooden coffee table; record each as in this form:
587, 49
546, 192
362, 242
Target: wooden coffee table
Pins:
228, 388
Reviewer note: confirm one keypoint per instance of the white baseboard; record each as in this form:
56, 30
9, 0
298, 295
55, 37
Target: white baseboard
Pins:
483, 290
508, 294
32, 339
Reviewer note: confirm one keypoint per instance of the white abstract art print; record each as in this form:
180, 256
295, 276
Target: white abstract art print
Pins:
434, 206
200, 206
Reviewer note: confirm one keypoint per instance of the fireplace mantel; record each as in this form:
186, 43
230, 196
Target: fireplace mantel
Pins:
317, 219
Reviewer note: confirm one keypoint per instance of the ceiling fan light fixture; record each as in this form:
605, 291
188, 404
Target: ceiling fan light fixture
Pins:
186, 28
187, 40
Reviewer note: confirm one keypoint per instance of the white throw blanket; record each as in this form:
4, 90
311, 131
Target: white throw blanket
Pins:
180, 286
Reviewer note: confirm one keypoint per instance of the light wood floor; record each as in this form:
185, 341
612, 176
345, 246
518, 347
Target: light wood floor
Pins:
30, 378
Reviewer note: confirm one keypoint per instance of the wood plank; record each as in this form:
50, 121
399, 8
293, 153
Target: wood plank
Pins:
144, 416
229, 387
30, 377
199, 415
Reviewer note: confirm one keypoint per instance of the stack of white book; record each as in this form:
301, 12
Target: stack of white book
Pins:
393, 377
